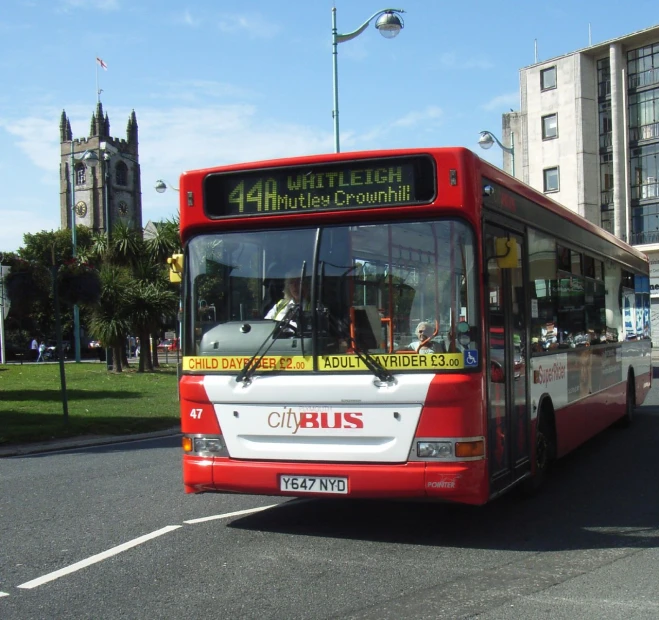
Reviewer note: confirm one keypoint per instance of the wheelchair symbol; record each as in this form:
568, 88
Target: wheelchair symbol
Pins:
471, 358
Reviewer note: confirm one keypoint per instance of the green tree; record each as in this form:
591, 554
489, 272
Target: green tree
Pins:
110, 318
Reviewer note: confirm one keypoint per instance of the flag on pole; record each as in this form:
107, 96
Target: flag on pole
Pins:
100, 62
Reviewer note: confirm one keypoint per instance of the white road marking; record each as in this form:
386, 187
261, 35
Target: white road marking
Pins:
4, 594
127, 545
229, 514
96, 558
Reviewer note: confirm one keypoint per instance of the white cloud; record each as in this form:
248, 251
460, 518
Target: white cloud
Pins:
429, 118
201, 90
417, 117
15, 223
37, 137
253, 24
508, 100
451, 60
100, 5
188, 20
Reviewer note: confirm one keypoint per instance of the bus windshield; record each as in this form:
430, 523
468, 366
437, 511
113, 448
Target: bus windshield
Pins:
404, 287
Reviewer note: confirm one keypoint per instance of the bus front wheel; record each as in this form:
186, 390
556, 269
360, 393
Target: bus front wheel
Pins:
545, 451
630, 403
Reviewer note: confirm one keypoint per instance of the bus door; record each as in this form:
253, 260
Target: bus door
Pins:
508, 412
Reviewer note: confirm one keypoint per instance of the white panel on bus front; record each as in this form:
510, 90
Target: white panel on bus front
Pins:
319, 418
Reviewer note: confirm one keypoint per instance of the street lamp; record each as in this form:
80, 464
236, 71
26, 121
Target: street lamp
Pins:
487, 139
389, 24
88, 157
3, 348
161, 186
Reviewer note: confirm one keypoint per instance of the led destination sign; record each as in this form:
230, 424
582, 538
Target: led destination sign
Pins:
342, 185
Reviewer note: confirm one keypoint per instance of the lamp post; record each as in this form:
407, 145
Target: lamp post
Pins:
108, 151
88, 157
389, 24
487, 139
161, 186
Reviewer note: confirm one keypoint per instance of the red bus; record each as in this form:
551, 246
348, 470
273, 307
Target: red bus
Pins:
397, 324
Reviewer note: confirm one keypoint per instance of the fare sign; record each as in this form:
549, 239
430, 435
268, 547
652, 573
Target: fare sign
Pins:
336, 185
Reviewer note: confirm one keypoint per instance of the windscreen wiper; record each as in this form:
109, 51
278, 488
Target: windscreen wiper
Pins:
372, 363
245, 375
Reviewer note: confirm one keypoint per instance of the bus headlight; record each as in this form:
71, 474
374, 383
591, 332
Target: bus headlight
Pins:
209, 446
434, 449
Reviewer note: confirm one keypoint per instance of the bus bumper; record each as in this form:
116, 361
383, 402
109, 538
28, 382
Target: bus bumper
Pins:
462, 482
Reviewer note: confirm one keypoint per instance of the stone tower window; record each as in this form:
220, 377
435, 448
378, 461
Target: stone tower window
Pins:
121, 174
80, 174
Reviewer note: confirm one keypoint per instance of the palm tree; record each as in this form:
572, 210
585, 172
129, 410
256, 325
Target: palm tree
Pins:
165, 241
110, 318
150, 303
153, 294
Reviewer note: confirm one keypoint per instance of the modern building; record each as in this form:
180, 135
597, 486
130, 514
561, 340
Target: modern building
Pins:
107, 187
587, 135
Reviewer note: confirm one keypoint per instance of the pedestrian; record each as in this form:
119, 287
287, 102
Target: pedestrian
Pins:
35, 349
42, 350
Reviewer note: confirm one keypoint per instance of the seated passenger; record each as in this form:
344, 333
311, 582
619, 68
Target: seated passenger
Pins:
423, 344
290, 299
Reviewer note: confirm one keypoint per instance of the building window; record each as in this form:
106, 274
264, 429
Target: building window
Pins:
550, 126
606, 179
643, 66
550, 179
603, 78
607, 218
644, 167
645, 224
644, 115
548, 78
121, 174
606, 124
80, 174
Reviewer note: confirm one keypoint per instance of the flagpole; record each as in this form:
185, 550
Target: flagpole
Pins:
98, 92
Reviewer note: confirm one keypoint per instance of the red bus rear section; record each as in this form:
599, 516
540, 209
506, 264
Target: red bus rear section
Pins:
399, 324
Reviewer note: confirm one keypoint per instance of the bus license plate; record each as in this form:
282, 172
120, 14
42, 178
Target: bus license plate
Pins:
313, 484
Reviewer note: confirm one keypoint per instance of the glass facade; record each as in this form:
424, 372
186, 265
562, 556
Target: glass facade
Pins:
605, 143
643, 114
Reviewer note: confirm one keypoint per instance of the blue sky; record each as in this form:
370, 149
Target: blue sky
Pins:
222, 81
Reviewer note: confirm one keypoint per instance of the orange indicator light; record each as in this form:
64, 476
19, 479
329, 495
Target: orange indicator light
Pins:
469, 449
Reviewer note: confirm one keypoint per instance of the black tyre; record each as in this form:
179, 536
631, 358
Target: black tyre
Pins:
630, 404
545, 453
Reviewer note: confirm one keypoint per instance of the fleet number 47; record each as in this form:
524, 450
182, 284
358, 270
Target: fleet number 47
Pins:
196, 413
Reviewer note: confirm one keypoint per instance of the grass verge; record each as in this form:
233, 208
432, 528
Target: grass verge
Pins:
99, 402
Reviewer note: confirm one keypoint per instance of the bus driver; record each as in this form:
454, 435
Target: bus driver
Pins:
290, 299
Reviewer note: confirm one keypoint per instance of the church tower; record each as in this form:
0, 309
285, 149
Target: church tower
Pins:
100, 175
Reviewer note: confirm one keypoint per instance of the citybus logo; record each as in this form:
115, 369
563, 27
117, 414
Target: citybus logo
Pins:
296, 420
544, 376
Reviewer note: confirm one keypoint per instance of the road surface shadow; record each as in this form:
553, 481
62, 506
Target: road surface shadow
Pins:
602, 495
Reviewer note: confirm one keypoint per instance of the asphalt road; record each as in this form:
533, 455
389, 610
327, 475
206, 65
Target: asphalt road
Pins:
107, 532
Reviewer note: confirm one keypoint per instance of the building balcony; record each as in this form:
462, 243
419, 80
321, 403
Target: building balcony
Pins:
646, 191
606, 200
646, 78
646, 237
644, 132
604, 89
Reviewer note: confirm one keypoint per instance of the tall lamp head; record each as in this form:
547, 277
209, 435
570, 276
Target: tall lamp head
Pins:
389, 24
